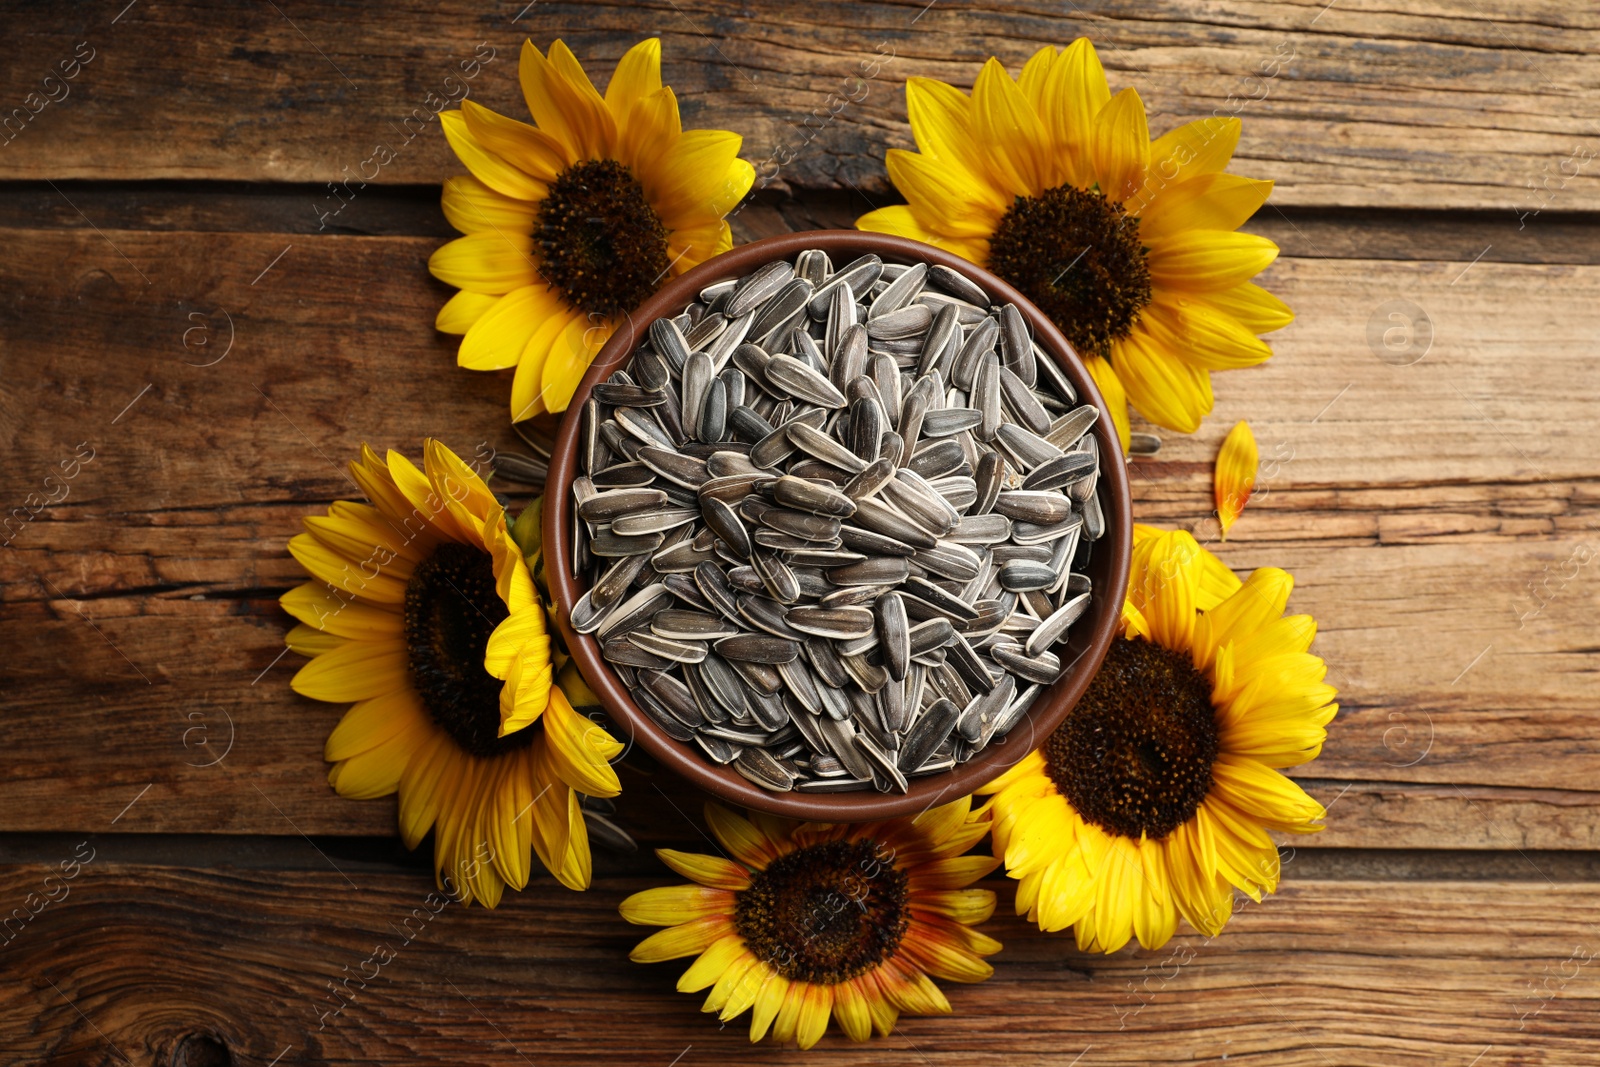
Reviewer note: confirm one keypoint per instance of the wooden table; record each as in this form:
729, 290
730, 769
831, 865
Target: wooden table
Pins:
188, 301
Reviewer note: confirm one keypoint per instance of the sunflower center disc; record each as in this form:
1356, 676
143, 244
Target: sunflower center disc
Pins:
451, 609
825, 913
1077, 255
600, 241
1135, 755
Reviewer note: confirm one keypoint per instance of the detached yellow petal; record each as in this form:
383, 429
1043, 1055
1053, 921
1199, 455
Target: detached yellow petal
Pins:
1235, 475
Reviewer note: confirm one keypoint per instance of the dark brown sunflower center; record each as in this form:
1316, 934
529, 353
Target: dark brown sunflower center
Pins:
1135, 755
1077, 255
825, 913
600, 241
451, 609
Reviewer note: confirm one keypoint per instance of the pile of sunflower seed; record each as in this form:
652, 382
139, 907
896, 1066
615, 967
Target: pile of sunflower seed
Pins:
836, 521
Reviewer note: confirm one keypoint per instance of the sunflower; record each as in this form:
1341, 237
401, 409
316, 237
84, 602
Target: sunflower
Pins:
815, 919
423, 612
572, 222
1127, 244
1153, 799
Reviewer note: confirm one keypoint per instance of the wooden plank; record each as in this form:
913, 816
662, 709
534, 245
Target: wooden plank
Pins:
1443, 105
1414, 525
147, 962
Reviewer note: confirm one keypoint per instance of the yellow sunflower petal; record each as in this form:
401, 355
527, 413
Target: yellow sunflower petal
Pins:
695, 176
1201, 147
1204, 202
357, 670
942, 957
648, 135
1257, 602
1155, 911
526, 400
911, 990
713, 871
1120, 146
1204, 261
589, 118
488, 166
669, 905
486, 262
424, 786
473, 207
579, 749
1035, 74
376, 772
962, 905
369, 723
1200, 335
1160, 385
740, 979
547, 103
941, 122
1216, 582
551, 813
940, 198
1073, 96
705, 971
741, 837
1266, 794
677, 941
1255, 308
1117, 892
497, 339
769, 1000
691, 246
638, 74
957, 872
1112, 392
850, 1011
465, 307
469, 500
1165, 588
1235, 476
314, 604
815, 1007
533, 152
347, 578
1006, 123
568, 361
900, 221
311, 642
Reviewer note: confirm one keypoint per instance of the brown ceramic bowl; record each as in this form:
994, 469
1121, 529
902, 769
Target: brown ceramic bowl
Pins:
1089, 638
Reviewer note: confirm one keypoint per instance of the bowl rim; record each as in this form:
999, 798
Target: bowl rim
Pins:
722, 781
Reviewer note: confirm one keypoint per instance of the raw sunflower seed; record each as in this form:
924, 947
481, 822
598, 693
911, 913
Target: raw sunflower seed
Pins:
840, 624
758, 648
802, 382
812, 496
957, 284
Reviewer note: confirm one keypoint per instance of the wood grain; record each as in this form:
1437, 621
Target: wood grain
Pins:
1356, 103
152, 963
1432, 523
